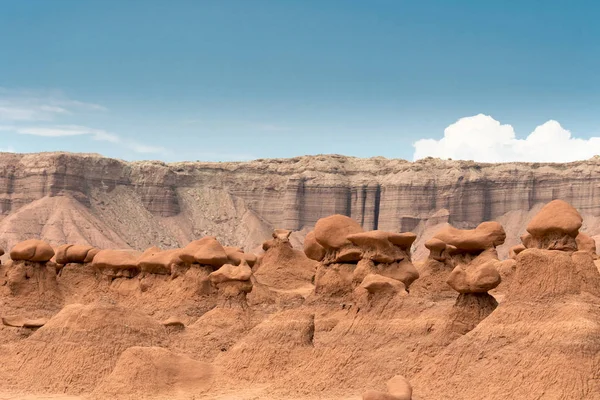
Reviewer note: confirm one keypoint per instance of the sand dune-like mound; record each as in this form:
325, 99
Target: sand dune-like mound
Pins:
78, 347
155, 373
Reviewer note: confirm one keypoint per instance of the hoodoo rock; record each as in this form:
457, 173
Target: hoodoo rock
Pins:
75, 253
32, 250
233, 282
282, 266
236, 256
312, 248
157, 261
351, 255
485, 236
332, 232
117, 263
554, 227
205, 251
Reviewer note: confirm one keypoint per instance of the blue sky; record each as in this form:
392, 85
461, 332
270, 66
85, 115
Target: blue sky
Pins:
234, 80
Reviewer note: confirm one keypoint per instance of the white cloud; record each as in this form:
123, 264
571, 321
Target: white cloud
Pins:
28, 105
76, 130
482, 138
8, 149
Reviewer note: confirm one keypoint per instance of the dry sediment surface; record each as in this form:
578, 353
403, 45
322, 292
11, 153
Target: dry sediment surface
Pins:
350, 315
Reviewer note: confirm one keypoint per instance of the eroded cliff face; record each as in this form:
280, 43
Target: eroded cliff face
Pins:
136, 204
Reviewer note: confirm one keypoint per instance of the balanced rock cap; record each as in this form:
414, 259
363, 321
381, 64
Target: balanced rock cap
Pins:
556, 216
331, 232
485, 236
32, 250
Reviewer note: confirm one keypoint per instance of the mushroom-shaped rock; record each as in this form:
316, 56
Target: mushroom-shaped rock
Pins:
403, 240
157, 261
233, 282
515, 250
205, 251
32, 250
472, 278
375, 283
437, 249
486, 235
331, 232
116, 262
229, 272
399, 388
556, 216
75, 253
312, 248
377, 246
586, 243
235, 256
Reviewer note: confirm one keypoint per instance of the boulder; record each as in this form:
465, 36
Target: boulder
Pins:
312, 248
556, 216
473, 278
117, 263
229, 272
205, 251
157, 261
486, 235
32, 250
75, 253
235, 256
332, 232
374, 283
377, 246
398, 388
586, 243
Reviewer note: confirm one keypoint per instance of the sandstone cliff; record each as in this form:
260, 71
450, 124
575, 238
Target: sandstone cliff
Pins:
90, 199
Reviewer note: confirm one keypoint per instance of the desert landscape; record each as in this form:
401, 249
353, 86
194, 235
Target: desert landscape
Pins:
316, 277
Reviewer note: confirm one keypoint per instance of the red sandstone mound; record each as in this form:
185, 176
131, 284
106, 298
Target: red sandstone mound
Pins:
541, 340
117, 263
157, 261
32, 250
206, 251
461, 259
155, 373
283, 267
75, 253
78, 347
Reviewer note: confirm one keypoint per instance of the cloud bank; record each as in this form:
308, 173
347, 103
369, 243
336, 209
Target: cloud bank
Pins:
36, 113
482, 138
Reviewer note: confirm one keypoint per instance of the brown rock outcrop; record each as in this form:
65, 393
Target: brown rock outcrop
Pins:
117, 263
205, 251
555, 227
75, 253
586, 243
32, 250
157, 261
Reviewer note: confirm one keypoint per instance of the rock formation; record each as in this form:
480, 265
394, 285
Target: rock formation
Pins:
117, 263
32, 250
76, 254
107, 203
540, 339
351, 255
283, 267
